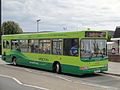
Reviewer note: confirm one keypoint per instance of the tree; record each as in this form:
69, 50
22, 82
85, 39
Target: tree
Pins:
10, 27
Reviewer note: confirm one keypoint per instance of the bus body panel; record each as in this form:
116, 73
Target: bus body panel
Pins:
69, 64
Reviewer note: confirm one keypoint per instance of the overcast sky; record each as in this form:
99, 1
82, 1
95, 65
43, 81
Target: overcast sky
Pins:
58, 14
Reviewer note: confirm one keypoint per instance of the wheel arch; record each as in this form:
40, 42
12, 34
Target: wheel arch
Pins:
55, 62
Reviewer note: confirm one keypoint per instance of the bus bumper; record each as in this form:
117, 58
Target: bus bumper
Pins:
95, 70
77, 71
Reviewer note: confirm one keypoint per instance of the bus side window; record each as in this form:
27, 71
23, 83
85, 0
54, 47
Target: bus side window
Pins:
36, 43
71, 47
6, 44
24, 45
57, 47
33, 46
15, 44
44, 46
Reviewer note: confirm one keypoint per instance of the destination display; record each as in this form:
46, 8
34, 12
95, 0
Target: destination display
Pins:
95, 34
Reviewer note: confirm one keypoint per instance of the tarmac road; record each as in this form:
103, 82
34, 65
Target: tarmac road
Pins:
48, 80
10, 84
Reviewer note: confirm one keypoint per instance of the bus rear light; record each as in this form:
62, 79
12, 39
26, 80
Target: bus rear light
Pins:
83, 68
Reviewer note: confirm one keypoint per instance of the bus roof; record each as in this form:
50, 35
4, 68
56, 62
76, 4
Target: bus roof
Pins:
73, 34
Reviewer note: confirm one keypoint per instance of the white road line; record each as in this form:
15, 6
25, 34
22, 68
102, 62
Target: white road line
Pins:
97, 85
110, 75
27, 70
90, 84
23, 83
15, 67
16, 80
63, 78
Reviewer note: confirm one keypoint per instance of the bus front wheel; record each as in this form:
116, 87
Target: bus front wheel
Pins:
57, 68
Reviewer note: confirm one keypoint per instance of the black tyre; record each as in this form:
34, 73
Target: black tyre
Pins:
14, 61
57, 68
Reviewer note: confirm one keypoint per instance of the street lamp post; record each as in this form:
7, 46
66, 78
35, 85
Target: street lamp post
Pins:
38, 24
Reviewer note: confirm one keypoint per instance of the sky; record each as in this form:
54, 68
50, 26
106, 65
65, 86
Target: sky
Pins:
62, 15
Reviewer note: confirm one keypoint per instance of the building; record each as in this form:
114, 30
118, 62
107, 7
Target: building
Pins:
116, 40
115, 56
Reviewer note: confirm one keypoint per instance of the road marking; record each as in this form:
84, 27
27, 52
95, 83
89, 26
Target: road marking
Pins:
27, 70
23, 83
16, 80
15, 67
56, 75
63, 78
90, 84
114, 76
97, 85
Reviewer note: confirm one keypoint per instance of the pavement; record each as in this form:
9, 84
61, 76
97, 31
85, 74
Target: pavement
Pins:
113, 68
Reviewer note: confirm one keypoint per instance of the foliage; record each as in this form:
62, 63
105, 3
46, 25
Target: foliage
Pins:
10, 27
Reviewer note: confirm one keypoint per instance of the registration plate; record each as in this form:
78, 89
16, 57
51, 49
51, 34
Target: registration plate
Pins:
96, 71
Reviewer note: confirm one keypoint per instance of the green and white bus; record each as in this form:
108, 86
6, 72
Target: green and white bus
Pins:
53, 51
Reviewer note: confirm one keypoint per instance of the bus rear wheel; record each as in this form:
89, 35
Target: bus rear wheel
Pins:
57, 68
14, 61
